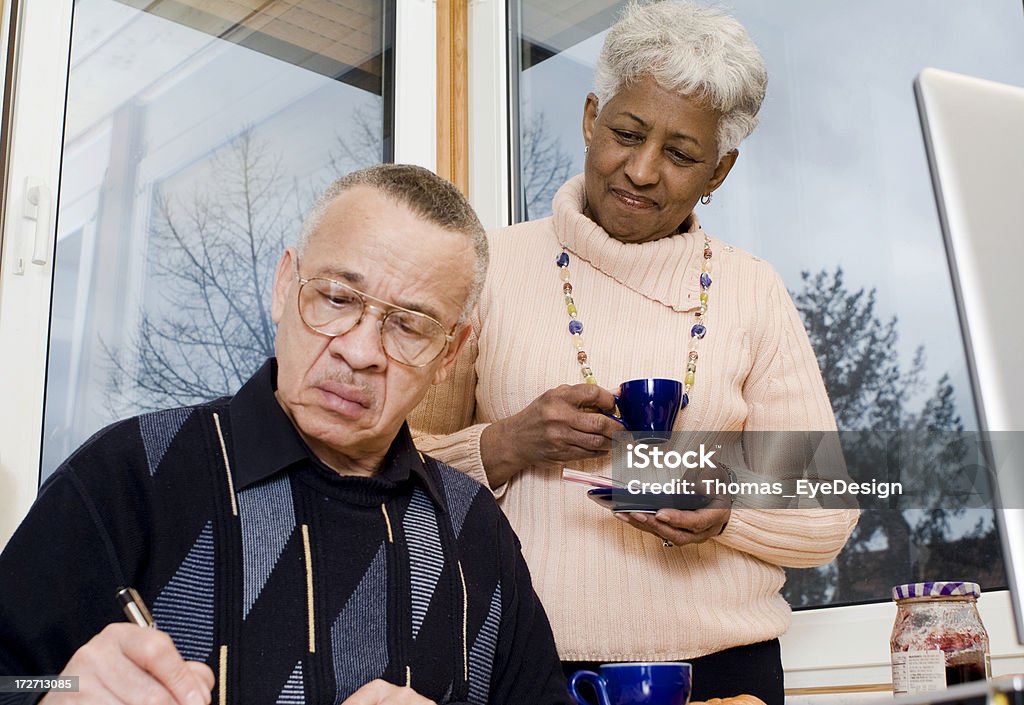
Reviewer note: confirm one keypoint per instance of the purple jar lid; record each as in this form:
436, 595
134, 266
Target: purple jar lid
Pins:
938, 588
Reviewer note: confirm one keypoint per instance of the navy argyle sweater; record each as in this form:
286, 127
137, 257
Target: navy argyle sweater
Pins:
295, 584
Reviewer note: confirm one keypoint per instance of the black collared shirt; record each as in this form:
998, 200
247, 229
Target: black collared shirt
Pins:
292, 582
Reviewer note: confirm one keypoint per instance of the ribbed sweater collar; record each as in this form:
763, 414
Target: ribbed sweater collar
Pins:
665, 270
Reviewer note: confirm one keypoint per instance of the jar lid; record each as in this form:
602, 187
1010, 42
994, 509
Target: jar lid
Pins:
938, 588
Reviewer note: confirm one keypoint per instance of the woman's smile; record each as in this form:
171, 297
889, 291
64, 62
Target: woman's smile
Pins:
633, 200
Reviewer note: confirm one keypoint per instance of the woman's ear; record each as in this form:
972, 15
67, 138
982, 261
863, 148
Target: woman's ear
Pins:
725, 165
589, 116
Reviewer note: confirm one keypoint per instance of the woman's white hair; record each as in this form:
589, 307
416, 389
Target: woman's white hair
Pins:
696, 51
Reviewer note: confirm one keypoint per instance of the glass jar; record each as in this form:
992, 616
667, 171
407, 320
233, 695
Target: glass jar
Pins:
938, 638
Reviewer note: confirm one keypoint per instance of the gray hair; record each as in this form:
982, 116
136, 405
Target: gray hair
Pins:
695, 51
427, 195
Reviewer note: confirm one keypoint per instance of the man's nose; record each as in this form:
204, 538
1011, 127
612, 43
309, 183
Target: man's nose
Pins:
361, 346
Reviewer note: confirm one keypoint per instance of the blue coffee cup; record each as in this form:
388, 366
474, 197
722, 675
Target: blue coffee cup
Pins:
648, 407
654, 683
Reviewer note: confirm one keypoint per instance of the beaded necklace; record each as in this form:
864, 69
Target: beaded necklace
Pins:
697, 331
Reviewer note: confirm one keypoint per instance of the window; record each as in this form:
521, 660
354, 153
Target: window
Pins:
196, 135
833, 189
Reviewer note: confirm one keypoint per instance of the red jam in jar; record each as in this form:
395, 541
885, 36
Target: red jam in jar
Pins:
938, 638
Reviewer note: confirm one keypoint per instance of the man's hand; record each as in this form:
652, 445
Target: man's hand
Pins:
380, 692
129, 664
560, 425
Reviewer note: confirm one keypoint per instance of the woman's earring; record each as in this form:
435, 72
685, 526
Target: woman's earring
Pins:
705, 199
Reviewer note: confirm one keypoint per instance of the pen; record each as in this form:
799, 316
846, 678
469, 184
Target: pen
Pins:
134, 608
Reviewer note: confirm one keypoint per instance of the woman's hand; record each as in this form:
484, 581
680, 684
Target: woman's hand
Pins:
680, 527
560, 425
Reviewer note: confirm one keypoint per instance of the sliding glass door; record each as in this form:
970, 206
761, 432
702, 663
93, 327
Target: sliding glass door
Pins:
196, 135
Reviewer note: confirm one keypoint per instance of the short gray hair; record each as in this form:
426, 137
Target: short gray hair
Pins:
426, 194
696, 51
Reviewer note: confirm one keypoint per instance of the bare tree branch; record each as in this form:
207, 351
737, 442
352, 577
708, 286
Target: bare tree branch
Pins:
544, 166
212, 256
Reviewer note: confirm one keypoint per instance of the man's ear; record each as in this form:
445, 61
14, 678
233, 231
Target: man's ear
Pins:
283, 280
461, 335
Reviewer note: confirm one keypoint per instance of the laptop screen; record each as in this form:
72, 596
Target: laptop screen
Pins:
974, 136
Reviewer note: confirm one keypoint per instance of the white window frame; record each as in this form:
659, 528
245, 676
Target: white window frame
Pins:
416, 83
37, 137
489, 137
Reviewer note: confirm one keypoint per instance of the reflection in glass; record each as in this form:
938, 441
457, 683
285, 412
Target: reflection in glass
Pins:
196, 135
833, 189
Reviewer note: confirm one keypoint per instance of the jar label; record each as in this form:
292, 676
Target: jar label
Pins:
918, 671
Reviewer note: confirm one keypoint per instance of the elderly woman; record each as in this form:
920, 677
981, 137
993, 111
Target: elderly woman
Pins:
616, 285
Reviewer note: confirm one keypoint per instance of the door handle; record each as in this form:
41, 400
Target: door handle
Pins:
37, 207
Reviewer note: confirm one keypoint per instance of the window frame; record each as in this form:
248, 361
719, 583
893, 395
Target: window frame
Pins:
37, 129
489, 118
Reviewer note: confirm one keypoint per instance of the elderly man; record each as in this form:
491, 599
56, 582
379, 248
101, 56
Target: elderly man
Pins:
292, 544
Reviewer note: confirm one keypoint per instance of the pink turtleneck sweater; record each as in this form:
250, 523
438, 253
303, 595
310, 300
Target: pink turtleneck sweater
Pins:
612, 592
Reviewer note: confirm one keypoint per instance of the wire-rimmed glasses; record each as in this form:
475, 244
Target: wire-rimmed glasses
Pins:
332, 308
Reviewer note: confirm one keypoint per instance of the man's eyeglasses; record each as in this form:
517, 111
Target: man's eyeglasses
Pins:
332, 309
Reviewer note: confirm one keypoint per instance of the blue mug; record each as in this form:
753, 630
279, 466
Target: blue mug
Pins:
663, 683
648, 407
